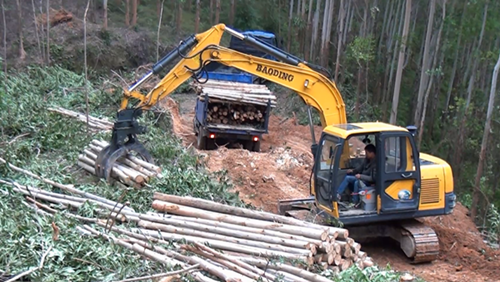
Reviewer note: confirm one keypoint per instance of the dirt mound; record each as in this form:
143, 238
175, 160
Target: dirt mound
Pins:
462, 245
55, 17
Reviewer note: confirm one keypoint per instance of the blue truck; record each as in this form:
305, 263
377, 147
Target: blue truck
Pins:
210, 132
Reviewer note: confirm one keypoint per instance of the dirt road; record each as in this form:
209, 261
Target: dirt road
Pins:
282, 171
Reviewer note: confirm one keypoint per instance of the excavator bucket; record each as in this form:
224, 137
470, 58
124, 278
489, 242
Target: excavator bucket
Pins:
123, 142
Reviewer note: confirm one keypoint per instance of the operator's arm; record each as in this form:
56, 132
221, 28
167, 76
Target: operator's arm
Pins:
370, 176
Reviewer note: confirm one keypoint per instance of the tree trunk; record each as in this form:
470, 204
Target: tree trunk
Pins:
487, 127
401, 59
134, 12
217, 11
429, 87
48, 34
197, 17
127, 13
315, 31
105, 16
4, 44
308, 31
463, 129
290, 17
178, 16
22, 53
425, 64
339, 39
231, 12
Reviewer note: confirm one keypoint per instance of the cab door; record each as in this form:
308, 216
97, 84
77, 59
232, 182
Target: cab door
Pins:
398, 176
325, 169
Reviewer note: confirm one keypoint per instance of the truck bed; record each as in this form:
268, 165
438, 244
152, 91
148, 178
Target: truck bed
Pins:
226, 105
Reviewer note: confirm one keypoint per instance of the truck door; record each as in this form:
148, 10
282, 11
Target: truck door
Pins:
398, 179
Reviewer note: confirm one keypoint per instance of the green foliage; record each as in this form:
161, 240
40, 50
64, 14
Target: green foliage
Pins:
27, 235
361, 49
51, 149
369, 274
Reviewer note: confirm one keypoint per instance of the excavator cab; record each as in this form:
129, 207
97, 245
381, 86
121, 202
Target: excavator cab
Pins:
398, 180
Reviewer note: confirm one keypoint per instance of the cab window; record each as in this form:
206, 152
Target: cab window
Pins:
394, 154
354, 150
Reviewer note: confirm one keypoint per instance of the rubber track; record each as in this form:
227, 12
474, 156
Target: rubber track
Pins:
425, 239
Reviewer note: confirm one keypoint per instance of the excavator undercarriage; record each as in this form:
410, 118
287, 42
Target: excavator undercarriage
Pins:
417, 241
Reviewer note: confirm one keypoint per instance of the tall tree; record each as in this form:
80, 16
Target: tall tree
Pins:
401, 59
197, 17
105, 16
22, 53
424, 71
340, 33
486, 132
432, 74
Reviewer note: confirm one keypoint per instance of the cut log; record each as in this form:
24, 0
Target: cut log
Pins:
286, 268
210, 228
160, 218
261, 215
223, 245
210, 235
194, 212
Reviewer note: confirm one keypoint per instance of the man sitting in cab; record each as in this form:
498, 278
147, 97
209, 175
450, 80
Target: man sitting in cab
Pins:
361, 176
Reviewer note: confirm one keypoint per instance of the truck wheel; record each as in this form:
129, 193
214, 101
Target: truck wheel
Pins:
201, 142
256, 146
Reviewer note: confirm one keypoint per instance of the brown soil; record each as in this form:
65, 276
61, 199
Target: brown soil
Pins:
282, 171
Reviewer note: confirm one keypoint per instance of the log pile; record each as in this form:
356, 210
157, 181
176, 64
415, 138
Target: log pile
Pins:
251, 233
233, 103
244, 244
230, 114
234, 92
129, 170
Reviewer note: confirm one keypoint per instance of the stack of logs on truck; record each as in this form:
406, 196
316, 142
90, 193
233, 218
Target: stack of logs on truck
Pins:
231, 112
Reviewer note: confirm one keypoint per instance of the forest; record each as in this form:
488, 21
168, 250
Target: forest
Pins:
433, 64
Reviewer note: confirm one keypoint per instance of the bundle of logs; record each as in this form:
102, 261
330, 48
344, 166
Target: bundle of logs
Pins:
129, 170
234, 114
245, 245
234, 103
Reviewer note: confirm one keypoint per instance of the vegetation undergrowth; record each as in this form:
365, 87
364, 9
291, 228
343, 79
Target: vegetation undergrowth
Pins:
48, 144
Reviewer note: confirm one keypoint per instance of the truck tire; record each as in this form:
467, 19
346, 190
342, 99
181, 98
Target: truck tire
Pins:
252, 146
256, 146
201, 142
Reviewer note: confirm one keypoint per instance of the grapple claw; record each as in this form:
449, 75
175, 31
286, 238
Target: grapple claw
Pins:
125, 128
109, 155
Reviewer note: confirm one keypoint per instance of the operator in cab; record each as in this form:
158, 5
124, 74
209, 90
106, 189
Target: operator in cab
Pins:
360, 177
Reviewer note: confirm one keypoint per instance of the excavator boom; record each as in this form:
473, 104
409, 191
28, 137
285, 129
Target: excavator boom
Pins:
195, 52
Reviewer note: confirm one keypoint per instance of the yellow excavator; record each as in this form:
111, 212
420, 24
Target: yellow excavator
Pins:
408, 184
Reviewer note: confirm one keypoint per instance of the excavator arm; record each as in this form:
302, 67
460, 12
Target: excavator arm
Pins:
196, 52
